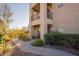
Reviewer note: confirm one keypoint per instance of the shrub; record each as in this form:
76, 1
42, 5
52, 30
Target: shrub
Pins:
19, 33
7, 49
1, 37
38, 42
14, 33
23, 36
6, 38
54, 38
71, 40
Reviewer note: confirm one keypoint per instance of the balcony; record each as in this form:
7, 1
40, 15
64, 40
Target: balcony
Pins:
35, 16
35, 12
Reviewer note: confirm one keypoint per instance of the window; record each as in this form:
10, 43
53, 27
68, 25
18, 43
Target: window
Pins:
60, 5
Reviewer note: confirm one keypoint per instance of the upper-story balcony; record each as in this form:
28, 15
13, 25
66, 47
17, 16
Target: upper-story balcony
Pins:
35, 11
35, 16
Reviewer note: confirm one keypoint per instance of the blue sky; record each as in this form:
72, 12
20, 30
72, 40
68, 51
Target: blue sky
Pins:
20, 15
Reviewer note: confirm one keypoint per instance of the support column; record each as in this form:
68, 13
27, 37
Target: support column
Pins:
30, 27
43, 18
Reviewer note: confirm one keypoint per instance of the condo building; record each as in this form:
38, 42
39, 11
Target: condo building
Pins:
49, 17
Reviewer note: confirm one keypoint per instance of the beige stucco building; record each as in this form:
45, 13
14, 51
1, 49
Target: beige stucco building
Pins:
47, 17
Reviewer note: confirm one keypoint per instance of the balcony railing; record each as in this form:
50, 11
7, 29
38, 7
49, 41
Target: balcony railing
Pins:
35, 17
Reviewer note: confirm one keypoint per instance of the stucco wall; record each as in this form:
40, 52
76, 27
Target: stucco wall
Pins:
67, 18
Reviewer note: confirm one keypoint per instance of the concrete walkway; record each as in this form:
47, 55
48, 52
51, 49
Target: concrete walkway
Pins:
27, 47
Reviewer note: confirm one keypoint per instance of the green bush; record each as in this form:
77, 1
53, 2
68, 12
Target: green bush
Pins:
73, 40
23, 36
56, 38
1, 37
38, 42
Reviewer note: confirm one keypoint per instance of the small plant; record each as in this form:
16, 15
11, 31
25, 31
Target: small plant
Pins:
1, 48
6, 38
1, 37
7, 48
38, 42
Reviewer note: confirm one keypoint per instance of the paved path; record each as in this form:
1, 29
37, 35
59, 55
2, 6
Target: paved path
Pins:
18, 52
27, 47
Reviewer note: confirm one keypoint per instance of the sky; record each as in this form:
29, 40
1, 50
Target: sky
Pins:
20, 15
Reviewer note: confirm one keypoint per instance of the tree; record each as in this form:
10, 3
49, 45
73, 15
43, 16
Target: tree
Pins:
5, 14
